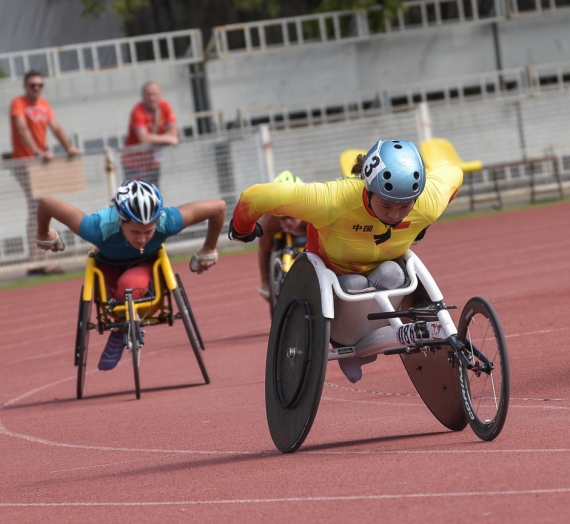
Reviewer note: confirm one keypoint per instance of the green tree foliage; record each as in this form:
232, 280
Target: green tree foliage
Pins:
124, 8
272, 7
128, 9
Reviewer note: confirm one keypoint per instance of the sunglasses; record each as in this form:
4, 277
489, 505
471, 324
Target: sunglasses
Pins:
34, 85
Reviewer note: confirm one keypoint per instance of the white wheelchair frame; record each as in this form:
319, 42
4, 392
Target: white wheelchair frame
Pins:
377, 340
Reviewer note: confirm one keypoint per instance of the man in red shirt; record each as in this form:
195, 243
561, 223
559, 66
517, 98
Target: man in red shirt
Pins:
30, 116
152, 123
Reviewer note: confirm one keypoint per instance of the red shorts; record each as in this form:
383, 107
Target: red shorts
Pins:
136, 278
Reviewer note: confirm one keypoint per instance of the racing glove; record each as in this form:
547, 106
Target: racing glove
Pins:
250, 237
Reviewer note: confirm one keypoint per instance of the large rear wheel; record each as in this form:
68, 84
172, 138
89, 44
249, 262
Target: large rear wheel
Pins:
188, 326
485, 381
197, 334
82, 342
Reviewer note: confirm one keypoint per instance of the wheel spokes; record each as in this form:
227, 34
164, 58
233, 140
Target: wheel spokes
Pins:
485, 385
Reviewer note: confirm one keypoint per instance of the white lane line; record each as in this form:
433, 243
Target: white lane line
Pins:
346, 388
5, 431
435, 451
97, 466
384, 393
45, 442
541, 332
43, 328
376, 402
345, 498
36, 357
421, 404
36, 390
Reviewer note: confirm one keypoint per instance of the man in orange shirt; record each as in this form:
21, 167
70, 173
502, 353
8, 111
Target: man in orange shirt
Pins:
30, 116
152, 123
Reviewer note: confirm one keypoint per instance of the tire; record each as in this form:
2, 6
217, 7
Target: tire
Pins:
133, 340
197, 334
296, 358
485, 394
276, 278
186, 320
82, 342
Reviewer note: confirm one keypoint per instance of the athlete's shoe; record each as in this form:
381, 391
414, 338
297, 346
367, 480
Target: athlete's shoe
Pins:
352, 366
113, 351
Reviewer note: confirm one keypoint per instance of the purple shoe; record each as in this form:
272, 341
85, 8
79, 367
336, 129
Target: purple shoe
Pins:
113, 351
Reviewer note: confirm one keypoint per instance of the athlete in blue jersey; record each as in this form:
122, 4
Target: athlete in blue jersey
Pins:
127, 236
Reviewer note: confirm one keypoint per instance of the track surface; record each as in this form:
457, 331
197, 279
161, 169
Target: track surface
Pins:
187, 452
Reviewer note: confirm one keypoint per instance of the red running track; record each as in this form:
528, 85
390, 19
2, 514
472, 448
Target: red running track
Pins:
187, 452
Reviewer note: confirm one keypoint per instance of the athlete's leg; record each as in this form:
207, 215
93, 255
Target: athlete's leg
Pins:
136, 278
388, 275
353, 282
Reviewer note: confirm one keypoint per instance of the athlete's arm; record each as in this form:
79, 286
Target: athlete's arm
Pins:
214, 211
314, 203
442, 185
63, 212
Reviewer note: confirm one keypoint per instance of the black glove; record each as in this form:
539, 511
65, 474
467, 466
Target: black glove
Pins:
250, 237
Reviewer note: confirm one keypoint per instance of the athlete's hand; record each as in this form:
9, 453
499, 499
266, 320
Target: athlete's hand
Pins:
203, 260
250, 237
52, 242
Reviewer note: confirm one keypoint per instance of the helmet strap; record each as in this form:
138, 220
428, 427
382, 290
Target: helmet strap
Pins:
369, 193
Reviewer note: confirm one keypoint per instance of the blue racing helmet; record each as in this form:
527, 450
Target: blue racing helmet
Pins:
138, 200
394, 170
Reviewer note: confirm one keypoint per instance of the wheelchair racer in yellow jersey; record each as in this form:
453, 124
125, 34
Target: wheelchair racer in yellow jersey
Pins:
361, 226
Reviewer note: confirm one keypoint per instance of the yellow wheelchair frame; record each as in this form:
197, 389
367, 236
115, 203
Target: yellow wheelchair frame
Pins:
286, 248
132, 314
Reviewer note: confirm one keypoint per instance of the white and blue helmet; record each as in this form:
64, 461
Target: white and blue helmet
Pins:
394, 170
138, 200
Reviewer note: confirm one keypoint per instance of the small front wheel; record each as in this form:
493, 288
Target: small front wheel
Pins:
134, 336
484, 376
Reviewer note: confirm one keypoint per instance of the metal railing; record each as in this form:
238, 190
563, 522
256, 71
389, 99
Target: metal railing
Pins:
177, 46
319, 110
322, 110
342, 26
350, 25
515, 7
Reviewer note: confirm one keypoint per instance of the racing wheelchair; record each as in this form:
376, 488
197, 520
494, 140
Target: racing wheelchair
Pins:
131, 315
286, 247
461, 373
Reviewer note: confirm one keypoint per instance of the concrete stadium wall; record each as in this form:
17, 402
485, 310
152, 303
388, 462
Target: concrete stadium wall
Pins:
535, 39
331, 70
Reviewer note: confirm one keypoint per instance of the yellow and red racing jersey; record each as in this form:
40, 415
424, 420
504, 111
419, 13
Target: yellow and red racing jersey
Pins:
342, 227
